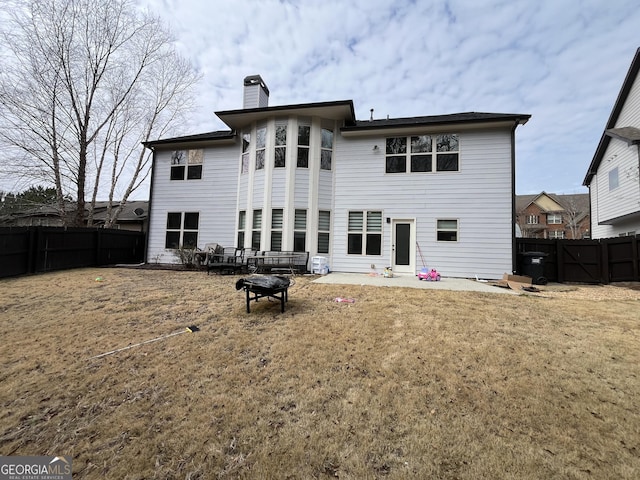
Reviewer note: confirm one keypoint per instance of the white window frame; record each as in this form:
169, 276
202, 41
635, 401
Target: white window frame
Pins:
182, 229
325, 150
324, 229
242, 224
370, 227
302, 147
256, 224
300, 228
261, 146
442, 228
190, 161
614, 179
533, 219
279, 146
554, 219
413, 147
277, 220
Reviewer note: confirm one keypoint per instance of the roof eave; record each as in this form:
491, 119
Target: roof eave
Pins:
337, 110
437, 125
613, 118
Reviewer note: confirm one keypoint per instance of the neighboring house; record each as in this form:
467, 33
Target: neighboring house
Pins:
134, 216
434, 191
613, 177
548, 215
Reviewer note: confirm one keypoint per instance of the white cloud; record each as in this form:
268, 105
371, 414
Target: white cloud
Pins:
561, 61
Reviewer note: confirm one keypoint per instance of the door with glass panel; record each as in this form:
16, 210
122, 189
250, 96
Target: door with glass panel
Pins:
403, 252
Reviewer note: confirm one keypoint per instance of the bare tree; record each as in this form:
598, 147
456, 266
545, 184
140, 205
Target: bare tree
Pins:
84, 83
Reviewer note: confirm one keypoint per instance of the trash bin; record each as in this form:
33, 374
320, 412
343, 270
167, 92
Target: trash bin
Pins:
532, 265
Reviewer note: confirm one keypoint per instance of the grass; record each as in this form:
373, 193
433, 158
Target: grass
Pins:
403, 383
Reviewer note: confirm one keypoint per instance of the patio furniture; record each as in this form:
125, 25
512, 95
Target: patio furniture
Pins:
272, 286
228, 261
278, 262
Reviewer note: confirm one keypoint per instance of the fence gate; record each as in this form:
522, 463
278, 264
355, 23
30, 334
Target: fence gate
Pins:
579, 261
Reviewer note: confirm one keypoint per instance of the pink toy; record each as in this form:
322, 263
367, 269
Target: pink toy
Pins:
429, 275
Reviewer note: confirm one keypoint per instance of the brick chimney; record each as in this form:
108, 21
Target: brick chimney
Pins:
256, 93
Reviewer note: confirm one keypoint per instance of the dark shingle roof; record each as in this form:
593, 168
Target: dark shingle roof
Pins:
200, 137
432, 120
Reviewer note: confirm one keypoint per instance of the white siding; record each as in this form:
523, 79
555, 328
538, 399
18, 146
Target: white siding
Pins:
278, 191
630, 113
213, 196
479, 196
301, 188
608, 206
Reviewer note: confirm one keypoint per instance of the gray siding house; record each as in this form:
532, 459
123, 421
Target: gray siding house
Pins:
406, 193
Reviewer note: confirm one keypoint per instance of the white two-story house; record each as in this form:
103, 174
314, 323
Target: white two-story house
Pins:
613, 177
406, 193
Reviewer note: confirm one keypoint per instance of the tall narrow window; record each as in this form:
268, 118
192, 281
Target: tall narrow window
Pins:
396, 151
447, 153
421, 153
182, 230
300, 231
447, 231
304, 132
246, 145
324, 230
354, 236
281, 146
326, 149
257, 225
613, 179
374, 233
261, 143
242, 220
276, 229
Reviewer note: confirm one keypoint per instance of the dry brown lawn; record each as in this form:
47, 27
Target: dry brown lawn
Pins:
404, 383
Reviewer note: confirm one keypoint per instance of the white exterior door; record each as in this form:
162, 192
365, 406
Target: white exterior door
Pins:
403, 246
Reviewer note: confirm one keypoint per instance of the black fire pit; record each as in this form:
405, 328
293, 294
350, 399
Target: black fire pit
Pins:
256, 287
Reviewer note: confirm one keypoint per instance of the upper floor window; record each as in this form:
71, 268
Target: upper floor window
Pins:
447, 153
281, 146
304, 133
326, 149
396, 160
614, 181
261, 143
533, 219
554, 218
187, 164
420, 154
246, 145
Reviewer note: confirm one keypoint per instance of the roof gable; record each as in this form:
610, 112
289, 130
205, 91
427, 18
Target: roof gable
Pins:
613, 118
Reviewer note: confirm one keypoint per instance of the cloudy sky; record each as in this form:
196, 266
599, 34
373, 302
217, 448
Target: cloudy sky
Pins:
562, 61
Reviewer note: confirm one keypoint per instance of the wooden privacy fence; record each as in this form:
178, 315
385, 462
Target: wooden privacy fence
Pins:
603, 260
25, 250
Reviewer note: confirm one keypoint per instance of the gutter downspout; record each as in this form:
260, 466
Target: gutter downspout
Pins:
153, 169
514, 253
